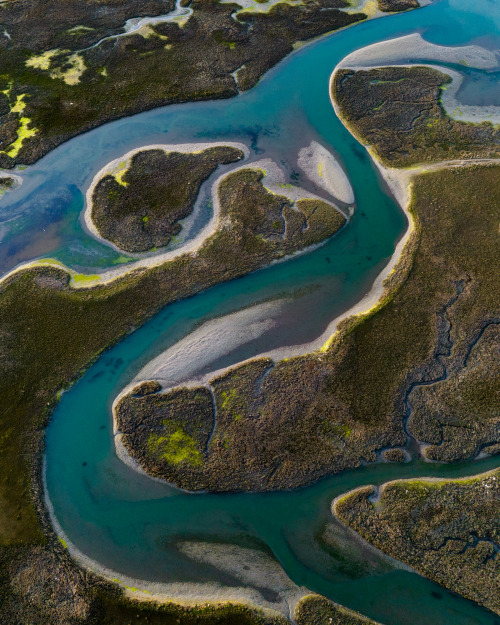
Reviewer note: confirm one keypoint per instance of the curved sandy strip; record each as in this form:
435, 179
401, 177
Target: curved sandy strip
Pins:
322, 168
121, 164
211, 341
410, 47
257, 572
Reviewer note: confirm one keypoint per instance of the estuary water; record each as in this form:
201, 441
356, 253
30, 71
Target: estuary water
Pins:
134, 525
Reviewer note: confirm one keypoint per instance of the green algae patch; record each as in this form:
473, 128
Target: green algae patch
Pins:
72, 70
83, 278
24, 132
175, 448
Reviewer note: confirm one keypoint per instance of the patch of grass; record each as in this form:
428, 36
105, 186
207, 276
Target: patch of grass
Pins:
139, 207
175, 448
316, 610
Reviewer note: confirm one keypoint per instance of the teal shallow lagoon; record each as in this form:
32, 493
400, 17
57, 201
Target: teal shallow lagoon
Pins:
130, 523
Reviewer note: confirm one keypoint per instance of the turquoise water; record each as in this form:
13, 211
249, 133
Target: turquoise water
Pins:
130, 523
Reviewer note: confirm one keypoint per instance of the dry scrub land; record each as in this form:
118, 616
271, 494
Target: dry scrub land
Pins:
447, 530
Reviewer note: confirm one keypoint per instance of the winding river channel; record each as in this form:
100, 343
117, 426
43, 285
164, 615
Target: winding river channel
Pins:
139, 528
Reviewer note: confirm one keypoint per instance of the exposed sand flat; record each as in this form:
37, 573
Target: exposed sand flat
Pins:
214, 339
322, 168
264, 583
464, 112
414, 48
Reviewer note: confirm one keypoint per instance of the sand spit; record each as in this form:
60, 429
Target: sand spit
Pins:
213, 340
322, 168
264, 584
414, 47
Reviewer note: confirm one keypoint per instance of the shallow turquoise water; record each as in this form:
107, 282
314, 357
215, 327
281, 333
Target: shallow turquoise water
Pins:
130, 523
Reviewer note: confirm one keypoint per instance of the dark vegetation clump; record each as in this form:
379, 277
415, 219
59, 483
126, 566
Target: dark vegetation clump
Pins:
448, 531
394, 455
317, 610
6, 182
395, 6
397, 111
158, 189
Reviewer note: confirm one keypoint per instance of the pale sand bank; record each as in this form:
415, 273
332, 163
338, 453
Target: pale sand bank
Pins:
322, 168
213, 340
261, 576
410, 47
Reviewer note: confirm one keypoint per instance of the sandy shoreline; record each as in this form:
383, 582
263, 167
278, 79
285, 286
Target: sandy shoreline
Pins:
255, 570
432, 480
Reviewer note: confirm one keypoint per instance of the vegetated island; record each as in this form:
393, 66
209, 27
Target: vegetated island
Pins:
397, 111
81, 68
139, 207
448, 530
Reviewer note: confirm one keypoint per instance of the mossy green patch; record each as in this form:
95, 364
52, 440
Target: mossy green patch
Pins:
175, 448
